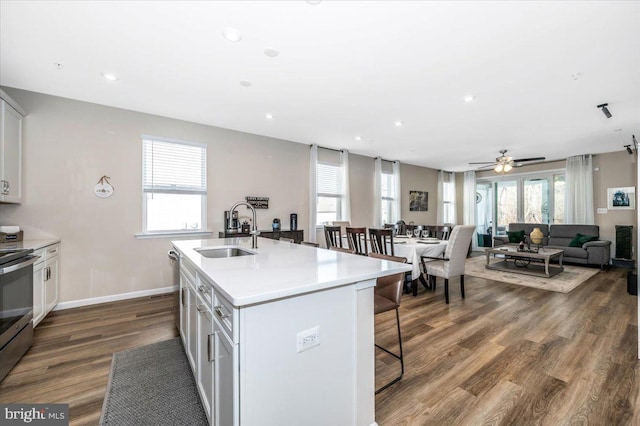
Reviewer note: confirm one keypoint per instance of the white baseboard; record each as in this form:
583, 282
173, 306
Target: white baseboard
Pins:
113, 298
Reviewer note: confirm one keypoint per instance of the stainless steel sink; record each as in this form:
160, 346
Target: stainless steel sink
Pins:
223, 252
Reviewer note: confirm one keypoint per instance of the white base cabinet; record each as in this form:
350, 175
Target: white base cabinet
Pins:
45, 282
249, 370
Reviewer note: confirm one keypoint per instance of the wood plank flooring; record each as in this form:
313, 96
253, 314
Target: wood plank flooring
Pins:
506, 355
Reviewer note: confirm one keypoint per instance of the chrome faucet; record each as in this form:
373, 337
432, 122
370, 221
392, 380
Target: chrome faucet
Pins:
254, 233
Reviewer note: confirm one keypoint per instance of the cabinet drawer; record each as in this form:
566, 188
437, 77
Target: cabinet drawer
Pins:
188, 269
52, 250
205, 290
226, 315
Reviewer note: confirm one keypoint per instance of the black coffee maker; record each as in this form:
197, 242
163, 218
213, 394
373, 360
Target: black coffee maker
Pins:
231, 223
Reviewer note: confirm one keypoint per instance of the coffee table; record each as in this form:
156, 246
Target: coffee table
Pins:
525, 262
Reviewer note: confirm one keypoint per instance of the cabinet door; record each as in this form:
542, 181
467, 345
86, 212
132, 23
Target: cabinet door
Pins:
192, 346
184, 311
51, 284
38, 292
10, 154
225, 407
204, 378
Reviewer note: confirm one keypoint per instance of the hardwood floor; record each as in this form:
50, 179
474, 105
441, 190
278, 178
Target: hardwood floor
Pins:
506, 355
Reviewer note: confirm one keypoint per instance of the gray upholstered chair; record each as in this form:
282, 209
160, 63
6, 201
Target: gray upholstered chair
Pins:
451, 264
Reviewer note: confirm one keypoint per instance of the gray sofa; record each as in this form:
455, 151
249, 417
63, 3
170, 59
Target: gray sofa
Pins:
597, 252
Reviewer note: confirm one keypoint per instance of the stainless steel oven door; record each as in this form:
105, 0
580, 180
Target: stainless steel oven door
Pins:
16, 297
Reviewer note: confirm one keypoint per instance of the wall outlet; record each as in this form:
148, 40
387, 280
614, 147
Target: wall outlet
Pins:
307, 339
601, 210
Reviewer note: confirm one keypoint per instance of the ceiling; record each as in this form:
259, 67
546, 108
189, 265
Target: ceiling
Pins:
345, 69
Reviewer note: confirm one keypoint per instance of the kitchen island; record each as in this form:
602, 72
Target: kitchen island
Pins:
282, 334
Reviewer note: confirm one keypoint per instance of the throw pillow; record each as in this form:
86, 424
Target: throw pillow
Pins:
515, 236
580, 239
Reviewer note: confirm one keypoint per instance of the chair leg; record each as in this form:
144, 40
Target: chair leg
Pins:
446, 290
432, 281
398, 357
462, 285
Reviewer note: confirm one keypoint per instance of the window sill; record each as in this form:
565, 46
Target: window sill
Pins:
177, 234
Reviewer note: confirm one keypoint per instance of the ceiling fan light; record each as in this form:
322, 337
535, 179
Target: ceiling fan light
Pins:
498, 168
507, 168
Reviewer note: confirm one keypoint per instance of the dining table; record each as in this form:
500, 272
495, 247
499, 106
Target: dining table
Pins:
412, 248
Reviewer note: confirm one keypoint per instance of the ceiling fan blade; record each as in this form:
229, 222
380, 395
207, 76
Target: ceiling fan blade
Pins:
527, 164
484, 162
490, 166
522, 160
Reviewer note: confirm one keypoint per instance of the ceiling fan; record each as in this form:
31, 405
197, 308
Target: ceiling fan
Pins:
504, 164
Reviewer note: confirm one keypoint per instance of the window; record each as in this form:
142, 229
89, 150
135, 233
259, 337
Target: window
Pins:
330, 192
449, 199
387, 189
174, 186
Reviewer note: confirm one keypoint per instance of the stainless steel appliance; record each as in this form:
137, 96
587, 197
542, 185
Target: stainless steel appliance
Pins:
294, 222
16, 306
231, 221
174, 258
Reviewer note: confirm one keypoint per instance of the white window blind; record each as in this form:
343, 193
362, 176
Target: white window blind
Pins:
329, 179
330, 192
174, 186
174, 167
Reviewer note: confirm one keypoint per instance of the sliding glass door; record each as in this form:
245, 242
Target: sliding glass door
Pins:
530, 198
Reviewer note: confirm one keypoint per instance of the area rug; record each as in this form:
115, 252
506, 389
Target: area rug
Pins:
152, 385
564, 282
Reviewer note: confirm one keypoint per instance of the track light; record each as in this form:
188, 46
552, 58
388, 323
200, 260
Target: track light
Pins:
605, 111
635, 146
629, 150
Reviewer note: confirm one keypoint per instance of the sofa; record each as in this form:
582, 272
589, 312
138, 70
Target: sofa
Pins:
594, 252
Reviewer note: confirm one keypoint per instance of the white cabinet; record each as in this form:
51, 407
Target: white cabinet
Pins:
10, 150
204, 374
45, 282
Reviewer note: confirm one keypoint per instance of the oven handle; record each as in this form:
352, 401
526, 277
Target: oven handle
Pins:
29, 260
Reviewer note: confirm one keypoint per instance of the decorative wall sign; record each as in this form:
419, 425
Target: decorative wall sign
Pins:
103, 189
418, 201
621, 198
258, 202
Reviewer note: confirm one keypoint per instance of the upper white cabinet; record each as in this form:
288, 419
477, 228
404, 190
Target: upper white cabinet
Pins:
11, 115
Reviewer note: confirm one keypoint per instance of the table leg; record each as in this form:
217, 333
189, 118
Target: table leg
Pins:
546, 266
487, 259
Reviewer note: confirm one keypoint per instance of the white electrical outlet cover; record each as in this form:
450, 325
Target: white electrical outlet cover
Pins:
307, 339
601, 210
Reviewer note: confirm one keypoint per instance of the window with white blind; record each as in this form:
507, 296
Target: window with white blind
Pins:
174, 186
387, 192
449, 201
330, 192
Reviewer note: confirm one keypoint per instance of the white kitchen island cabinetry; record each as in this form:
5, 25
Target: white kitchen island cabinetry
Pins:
45, 281
291, 339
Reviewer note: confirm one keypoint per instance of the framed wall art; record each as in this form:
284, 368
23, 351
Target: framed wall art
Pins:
621, 198
418, 201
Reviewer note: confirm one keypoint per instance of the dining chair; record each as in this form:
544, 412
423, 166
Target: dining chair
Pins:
452, 262
287, 240
357, 239
343, 224
381, 241
386, 297
332, 236
343, 250
310, 244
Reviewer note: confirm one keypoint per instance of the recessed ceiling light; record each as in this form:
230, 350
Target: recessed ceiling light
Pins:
469, 98
398, 123
358, 138
313, 2
269, 116
617, 130
58, 65
109, 77
245, 83
232, 35
576, 75
271, 52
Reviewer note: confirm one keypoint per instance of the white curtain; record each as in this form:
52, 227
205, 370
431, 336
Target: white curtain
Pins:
396, 211
377, 192
469, 203
450, 198
440, 200
313, 193
579, 193
346, 200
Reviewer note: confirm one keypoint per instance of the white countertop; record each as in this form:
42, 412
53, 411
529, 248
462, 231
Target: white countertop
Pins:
30, 244
281, 269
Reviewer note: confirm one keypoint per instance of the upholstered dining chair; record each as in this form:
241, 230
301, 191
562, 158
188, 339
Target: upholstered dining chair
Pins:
381, 241
452, 262
386, 297
332, 236
357, 239
343, 250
